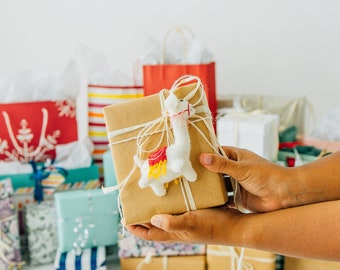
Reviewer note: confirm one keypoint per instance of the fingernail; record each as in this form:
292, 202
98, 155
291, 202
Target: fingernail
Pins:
156, 221
206, 159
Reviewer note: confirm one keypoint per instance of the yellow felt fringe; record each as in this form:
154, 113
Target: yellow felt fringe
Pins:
157, 170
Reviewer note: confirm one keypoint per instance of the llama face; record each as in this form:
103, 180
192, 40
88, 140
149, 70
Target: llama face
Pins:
177, 106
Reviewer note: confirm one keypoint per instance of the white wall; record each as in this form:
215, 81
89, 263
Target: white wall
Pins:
283, 47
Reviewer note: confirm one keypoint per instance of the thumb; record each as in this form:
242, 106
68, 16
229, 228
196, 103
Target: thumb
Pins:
217, 164
168, 222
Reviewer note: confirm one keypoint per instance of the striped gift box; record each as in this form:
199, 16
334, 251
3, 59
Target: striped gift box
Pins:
90, 259
100, 96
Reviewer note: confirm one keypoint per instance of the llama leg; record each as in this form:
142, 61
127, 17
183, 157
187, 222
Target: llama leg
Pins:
176, 164
189, 173
158, 188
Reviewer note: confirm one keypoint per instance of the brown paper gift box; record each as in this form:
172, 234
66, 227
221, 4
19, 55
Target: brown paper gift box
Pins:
308, 264
139, 205
227, 258
196, 262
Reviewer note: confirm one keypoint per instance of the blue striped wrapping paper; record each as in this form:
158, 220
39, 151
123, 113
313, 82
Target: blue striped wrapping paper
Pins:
100, 96
90, 259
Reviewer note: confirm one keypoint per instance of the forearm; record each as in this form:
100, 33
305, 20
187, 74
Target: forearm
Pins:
313, 182
310, 231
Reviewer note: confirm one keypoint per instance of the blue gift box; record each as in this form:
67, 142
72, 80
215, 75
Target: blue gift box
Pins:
85, 219
90, 259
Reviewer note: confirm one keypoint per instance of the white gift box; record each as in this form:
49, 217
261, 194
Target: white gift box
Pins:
257, 132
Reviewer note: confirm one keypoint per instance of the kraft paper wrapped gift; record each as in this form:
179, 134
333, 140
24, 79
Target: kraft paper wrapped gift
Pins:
85, 218
291, 263
169, 263
90, 259
125, 123
227, 258
257, 132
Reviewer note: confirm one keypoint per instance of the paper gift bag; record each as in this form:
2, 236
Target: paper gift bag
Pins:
158, 77
99, 96
182, 54
32, 130
142, 126
292, 111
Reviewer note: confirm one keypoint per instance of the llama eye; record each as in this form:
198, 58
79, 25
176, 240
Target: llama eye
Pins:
181, 100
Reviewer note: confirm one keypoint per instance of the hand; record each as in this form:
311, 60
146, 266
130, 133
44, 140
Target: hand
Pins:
215, 225
263, 186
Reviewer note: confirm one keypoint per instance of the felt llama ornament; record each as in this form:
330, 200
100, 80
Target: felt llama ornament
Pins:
173, 161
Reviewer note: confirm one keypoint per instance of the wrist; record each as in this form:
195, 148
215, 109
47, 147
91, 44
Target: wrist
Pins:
290, 188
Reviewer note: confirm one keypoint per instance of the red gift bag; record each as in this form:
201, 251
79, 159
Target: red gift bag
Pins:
32, 130
159, 76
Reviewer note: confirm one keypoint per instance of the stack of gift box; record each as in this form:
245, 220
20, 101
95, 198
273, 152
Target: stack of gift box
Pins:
52, 208
59, 216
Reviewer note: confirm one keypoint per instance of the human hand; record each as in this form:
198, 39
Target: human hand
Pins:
262, 182
208, 226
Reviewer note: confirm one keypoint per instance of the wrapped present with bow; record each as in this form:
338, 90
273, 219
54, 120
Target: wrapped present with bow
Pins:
85, 219
155, 143
10, 256
230, 258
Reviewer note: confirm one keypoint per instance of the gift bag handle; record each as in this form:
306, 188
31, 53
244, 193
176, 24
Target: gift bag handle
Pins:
182, 30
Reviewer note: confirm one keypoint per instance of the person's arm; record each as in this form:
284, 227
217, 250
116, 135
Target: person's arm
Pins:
310, 231
268, 186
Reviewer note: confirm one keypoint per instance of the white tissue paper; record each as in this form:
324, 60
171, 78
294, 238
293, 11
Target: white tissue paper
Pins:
180, 46
69, 156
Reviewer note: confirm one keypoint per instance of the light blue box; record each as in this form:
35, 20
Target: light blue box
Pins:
85, 219
109, 172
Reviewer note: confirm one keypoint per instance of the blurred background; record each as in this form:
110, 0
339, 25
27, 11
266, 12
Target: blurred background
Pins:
260, 47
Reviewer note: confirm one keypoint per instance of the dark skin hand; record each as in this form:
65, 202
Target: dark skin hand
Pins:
299, 212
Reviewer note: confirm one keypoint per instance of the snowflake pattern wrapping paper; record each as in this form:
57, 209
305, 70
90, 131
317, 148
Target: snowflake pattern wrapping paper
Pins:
33, 129
41, 230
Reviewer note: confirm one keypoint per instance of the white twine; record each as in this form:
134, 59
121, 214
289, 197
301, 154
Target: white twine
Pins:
160, 125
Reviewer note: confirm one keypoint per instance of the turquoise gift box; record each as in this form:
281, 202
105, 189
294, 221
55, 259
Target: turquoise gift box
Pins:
73, 175
85, 219
109, 172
